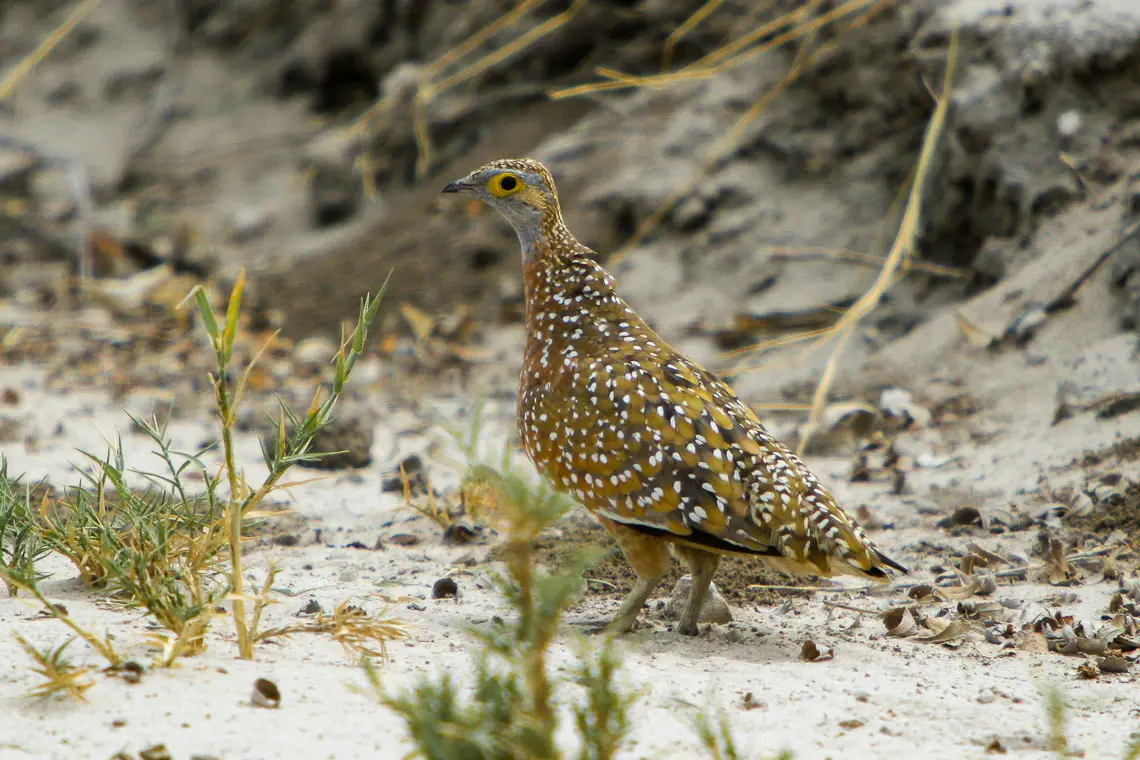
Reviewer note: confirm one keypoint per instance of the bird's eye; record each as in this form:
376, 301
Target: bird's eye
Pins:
502, 185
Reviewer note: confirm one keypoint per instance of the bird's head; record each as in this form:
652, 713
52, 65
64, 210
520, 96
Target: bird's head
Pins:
522, 190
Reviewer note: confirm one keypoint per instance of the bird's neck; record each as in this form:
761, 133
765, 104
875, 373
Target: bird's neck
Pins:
568, 281
545, 236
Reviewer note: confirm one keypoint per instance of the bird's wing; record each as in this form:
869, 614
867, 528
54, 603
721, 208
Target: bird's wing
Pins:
666, 446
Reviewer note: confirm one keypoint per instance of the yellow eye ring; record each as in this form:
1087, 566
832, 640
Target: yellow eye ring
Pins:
504, 184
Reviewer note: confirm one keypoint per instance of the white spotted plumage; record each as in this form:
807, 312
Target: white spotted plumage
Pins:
657, 442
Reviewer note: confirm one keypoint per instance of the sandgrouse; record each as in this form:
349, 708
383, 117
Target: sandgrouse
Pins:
662, 452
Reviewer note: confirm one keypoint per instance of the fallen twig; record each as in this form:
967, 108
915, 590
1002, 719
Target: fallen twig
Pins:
824, 589
852, 608
20, 70
1067, 297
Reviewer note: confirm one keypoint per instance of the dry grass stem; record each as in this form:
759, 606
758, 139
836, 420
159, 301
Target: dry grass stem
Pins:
101, 645
29, 62
897, 258
728, 141
350, 626
728, 56
60, 676
435, 80
689, 25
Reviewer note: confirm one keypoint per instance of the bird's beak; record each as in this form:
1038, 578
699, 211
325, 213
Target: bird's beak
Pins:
459, 186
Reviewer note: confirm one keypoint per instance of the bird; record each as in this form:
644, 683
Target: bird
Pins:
660, 450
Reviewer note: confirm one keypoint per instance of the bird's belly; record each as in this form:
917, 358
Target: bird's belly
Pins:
587, 455
541, 427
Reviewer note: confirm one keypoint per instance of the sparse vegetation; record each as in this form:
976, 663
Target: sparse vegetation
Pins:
20, 543
168, 539
512, 712
60, 675
428, 505
155, 548
164, 547
1059, 745
713, 728
361, 634
292, 441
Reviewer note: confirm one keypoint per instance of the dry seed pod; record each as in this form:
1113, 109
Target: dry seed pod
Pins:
265, 694
1087, 670
1113, 664
1092, 646
132, 671
900, 622
809, 652
985, 584
157, 752
945, 632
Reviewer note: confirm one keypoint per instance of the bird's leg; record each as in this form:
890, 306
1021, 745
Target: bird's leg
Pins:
649, 558
626, 615
702, 566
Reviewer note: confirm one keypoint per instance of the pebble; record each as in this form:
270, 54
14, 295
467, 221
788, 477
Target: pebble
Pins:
715, 610
445, 588
248, 223
1069, 123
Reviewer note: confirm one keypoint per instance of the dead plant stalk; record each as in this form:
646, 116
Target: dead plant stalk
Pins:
288, 448
29, 62
897, 258
722, 60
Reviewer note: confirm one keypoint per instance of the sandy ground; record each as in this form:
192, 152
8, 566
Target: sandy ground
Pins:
879, 697
807, 175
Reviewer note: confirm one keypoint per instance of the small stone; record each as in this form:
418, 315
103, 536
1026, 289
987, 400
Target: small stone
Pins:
445, 588
460, 532
131, 671
899, 406
411, 468
312, 607
265, 694
349, 435
156, 752
1068, 124
715, 609
403, 539
316, 350
1113, 664
10, 430
249, 222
